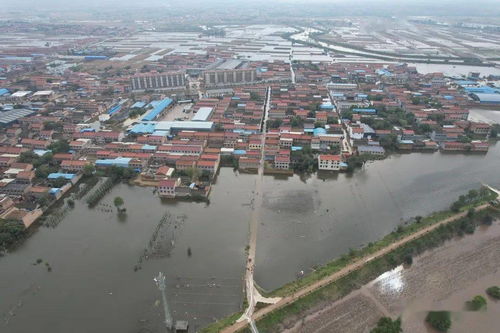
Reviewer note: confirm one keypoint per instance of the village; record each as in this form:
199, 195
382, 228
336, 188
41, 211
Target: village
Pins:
172, 123
333, 118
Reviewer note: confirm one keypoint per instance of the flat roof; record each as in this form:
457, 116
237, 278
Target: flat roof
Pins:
61, 175
21, 93
43, 93
230, 64
6, 117
203, 114
162, 105
167, 125
486, 98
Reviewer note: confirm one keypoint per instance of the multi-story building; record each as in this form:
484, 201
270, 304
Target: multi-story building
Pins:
329, 162
166, 187
228, 77
157, 81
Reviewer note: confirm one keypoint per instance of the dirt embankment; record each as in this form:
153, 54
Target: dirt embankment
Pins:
443, 278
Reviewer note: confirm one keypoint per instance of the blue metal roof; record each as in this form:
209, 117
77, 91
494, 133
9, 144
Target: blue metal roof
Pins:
143, 128
318, 131
488, 98
119, 161
115, 109
95, 57
54, 190
41, 152
465, 83
482, 90
328, 106
138, 104
160, 133
56, 175
364, 110
148, 147
239, 152
3, 91
384, 71
162, 105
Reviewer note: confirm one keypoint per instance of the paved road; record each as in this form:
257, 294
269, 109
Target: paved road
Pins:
346, 270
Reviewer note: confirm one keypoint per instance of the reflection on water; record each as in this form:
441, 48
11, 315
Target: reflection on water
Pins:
390, 282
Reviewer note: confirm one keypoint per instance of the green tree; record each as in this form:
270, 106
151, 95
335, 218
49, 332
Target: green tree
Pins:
440, 320
118, 202
44, 170
59, 146
477, 303
254, 96
88, 170
389, 142
494, 292
59, 182
274, 123
10, 231
387, 325
495, 130
52, 125
297, 122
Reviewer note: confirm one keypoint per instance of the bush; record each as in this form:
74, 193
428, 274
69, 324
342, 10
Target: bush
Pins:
440, 320
494, 292
487, 220
387, 325
477, 303
10, 232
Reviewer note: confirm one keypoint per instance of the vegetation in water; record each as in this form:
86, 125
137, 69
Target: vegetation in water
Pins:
477, 303
440, 320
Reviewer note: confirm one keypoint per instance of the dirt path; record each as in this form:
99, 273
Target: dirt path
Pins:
346, 270
439, 279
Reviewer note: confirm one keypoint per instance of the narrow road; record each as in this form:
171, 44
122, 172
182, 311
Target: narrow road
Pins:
254, 222
346, 270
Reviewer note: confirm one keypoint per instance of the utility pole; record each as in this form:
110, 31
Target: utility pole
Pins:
160, 282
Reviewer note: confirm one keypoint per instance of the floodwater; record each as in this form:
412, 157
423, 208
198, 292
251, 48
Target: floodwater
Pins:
93, 287
455, 70
308, 222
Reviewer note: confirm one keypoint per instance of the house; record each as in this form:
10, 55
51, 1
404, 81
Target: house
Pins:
73, 166
80, 144
24, 216
185, 163
249, 163
164, 172
282, 161
35, 144
371, 150
166, 188
480, 128
207, 165
329, 162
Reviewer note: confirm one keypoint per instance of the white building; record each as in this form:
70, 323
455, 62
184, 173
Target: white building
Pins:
329, 162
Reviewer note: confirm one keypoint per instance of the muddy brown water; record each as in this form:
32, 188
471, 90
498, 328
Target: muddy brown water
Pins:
304, 222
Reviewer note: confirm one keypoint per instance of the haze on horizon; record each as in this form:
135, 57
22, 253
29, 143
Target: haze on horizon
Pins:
302, 7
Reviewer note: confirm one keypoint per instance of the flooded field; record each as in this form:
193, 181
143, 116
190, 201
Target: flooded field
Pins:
93, 287
304, 222
308, 222
440, 279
